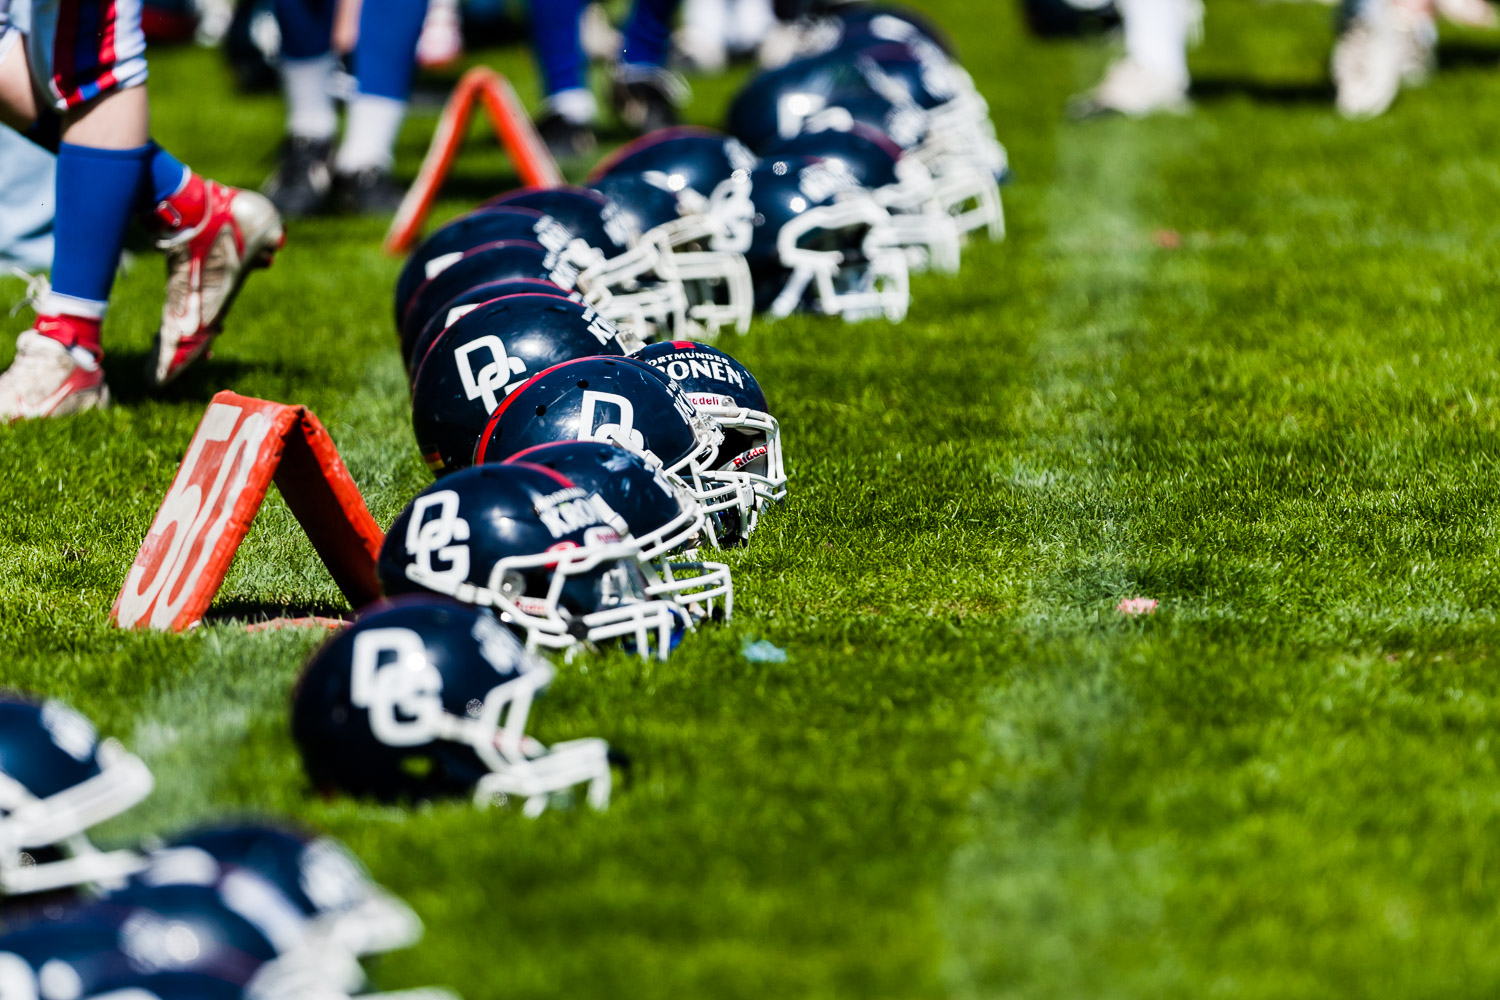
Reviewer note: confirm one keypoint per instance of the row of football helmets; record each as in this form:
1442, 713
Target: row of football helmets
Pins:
592, 450
234, 910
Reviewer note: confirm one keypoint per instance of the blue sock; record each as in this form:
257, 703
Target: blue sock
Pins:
97, 193
556, 37
648, 32
166, 175
385, 60
306, 27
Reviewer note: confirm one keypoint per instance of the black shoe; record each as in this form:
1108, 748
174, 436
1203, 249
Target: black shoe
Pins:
367, 192
647, 97
566, 140
300, 186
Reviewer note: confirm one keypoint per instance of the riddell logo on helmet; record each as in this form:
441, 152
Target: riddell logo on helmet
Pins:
704, 400
744, 459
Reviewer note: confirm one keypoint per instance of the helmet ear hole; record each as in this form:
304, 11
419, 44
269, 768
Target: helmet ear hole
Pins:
541, 411
583, 383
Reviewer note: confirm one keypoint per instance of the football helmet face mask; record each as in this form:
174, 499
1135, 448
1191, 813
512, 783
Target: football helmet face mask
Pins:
435, 300
901, 184
628, 403
724, 391
960, 145
845, 87
818, 241
657, 513
716, 282
423, 698
628, 277
489, 353
541, 552
56, 781
344, 907
483, 226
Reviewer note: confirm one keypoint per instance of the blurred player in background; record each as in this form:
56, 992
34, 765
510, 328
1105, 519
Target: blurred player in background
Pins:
715, 31
646, 94
356, 178
1382, 45
76, 83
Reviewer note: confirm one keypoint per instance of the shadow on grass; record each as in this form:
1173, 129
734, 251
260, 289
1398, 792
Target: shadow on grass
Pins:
1467, 54
252, 612
1263, 91
129, 377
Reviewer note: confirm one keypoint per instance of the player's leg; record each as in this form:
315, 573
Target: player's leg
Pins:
303, 178
88, 58
646, 93
1153, 74
385, 66
566, 119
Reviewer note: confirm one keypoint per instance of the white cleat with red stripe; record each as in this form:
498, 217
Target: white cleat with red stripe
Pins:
206, 266
49, 380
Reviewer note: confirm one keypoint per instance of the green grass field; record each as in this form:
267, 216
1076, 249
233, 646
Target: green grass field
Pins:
972, 777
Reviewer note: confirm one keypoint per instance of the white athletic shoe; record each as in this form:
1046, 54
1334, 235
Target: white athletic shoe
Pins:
442, 40
48, 380
1380, 48
1130, 89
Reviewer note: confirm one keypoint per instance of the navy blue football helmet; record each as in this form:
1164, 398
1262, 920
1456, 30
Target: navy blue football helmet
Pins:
823, 91
656, 512
472, 298
819, 242
687, 158
923, 102
426, 698
56, 781
901, 184
886, 22
716, 282
172, 986
544, 554
224, 923
478, 228
628, 277
628, 403
436, 298
724, 391
344, 907
487, 354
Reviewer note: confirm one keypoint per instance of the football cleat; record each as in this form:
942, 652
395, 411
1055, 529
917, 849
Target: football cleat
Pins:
49, 380
206, 266
565, 139
1379, 48
302, 181
647, 97
1133, 90
372, 191
441, 43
